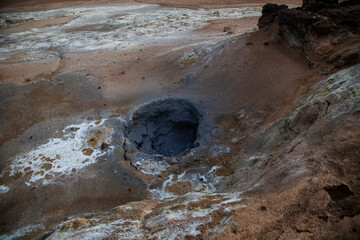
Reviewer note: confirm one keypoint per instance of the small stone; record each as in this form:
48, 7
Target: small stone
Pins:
216, 13
324, 72
234, 229
104, 146
227, 29
235, 140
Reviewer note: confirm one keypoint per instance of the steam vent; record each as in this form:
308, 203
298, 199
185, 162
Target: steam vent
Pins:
178, 119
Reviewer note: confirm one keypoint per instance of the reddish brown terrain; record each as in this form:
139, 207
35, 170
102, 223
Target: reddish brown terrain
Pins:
11, 5
277, 110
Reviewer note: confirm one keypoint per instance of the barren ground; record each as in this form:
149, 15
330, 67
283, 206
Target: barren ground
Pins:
72, 75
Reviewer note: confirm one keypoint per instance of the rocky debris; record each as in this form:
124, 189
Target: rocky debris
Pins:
324, 30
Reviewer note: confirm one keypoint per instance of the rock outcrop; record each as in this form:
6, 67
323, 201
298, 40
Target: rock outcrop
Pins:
326, 31
269, 12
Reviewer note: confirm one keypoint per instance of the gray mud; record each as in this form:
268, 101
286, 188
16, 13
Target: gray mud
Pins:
167, 127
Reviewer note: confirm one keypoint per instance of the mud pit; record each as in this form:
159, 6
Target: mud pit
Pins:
167, 127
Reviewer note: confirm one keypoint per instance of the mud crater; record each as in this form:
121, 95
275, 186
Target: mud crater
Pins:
167, 127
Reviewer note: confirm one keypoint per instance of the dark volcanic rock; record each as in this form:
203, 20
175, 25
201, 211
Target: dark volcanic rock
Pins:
293, 24
227, 29
317, 5
349, 3
324, 30
104, 146
345, 18
338, 192
269, 12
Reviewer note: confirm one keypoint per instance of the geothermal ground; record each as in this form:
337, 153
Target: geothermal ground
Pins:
176, 120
